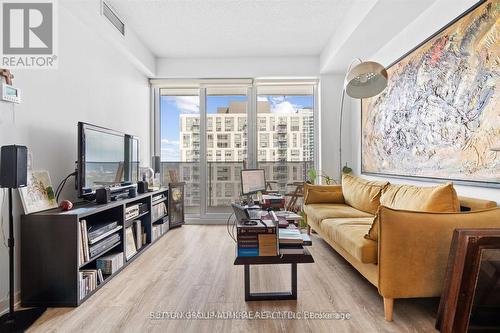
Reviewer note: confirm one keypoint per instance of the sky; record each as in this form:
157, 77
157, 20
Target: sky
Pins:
171, 107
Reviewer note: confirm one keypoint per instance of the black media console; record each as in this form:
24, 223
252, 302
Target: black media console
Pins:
51, 264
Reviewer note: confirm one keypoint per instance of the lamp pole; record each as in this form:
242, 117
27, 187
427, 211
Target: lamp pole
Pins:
341, 116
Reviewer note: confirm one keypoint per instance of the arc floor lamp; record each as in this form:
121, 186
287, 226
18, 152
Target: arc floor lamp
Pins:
366, 79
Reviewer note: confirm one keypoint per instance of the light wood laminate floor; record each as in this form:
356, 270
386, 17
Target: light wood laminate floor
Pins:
191, 269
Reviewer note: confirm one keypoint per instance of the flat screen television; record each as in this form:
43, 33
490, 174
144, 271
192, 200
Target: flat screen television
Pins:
106, 158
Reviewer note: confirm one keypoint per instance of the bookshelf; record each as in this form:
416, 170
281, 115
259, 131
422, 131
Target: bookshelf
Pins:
50, 248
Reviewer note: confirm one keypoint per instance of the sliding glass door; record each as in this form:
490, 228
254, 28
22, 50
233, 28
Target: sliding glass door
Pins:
180, 142
207, 133
226, 139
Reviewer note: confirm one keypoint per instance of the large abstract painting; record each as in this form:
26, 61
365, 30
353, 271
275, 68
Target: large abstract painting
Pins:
439, 116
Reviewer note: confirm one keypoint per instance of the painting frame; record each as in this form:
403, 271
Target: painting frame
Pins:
480, 183
462, 297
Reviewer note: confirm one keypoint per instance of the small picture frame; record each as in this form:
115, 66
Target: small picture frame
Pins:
39, 194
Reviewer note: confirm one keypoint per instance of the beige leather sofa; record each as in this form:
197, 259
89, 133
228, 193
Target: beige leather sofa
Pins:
406, 251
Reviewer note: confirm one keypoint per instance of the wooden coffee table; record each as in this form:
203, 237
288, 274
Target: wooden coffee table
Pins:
292, 259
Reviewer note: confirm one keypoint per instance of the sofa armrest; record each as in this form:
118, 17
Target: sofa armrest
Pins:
323, 194
413, 248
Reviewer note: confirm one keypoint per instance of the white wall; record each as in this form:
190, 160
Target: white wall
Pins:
237, 67
94, 83
434, 18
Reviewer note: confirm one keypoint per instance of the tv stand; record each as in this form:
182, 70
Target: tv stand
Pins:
50, 247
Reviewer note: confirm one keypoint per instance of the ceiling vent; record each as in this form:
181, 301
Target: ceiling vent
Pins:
113, 18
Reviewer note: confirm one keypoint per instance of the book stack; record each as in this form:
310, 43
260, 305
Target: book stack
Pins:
291, 241
257, 240
110, 263
89, 280
158, 230
96, 239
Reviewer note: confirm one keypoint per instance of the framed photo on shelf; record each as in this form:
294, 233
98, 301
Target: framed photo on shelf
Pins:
38, 195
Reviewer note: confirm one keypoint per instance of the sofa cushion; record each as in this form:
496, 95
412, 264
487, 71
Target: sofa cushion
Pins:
476, 204
441, 198
323, 194
362, 194
319, 212
349, 234
435, 199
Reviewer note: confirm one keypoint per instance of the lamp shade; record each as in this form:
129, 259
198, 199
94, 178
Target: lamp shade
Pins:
365, 80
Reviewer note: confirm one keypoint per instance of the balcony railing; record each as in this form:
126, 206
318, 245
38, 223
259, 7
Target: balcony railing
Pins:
224, 180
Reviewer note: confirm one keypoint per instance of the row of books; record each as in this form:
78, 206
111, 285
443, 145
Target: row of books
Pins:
89, 280
257, 240
158, 230
95, 239
159, 210
110, 263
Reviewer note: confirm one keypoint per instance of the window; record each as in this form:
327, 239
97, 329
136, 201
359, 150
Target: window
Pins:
228, 190
210, 124
295, 124
242, 124
179, 117
263, 140
262, 154
229, 123
218, 124
237, 140
186, 140
262, 123
223, 141
283, 134
223, 173
210, 141
237, 172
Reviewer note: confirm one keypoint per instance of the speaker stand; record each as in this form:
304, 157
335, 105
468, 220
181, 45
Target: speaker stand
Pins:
16, 321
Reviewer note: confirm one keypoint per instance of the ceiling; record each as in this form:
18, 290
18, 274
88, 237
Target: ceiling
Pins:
236, 28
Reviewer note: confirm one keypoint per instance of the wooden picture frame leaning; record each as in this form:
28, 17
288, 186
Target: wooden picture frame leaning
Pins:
461, 308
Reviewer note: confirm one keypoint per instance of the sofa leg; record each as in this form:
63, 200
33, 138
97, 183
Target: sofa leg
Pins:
388, 308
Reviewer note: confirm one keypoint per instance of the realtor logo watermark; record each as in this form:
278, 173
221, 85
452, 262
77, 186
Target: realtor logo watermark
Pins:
29, 34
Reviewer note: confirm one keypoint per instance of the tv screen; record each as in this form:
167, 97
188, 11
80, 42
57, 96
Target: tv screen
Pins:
105, 158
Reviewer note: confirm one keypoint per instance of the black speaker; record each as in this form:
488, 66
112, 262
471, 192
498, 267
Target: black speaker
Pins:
142, 186
156, 164
14, 166
102, 195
